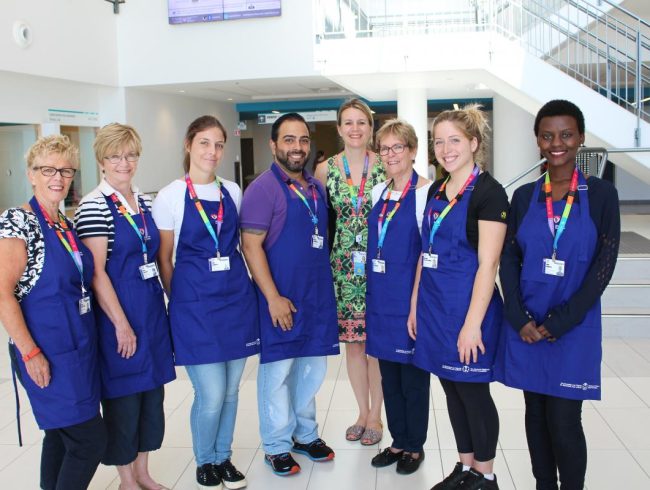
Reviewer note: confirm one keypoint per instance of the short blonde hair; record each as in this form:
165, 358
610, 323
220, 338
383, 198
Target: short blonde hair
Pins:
113, 137
472, 122
55, 143
401, 130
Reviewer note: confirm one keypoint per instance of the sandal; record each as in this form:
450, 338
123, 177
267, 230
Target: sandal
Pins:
372, 436
354, 432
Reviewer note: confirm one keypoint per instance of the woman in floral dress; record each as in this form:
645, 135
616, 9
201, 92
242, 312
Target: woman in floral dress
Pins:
349, 177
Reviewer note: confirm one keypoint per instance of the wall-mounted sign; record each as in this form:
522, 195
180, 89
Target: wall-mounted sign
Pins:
68, 117
241, 125
310, 116
188, 11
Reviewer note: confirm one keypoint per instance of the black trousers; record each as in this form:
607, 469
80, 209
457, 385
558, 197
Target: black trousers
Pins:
406, 398
556, 441
135, 424
70, 455
474, 418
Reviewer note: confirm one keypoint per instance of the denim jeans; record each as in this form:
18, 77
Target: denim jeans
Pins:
212, 419
286, 397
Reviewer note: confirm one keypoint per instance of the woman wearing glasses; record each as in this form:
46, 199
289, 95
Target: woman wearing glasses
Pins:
560, 253
456, 308
212, 307
114, 221
45, 306
349, 178
393, 250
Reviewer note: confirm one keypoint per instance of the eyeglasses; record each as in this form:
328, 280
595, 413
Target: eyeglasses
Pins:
129, 157
398, 148
66, 172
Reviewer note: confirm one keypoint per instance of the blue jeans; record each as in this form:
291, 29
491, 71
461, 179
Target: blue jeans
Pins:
286, 398
212, 419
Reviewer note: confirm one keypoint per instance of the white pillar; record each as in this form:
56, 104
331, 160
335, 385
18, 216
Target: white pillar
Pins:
412, 107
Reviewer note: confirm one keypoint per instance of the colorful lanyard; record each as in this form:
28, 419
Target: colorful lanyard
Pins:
357, 201
120, 207
452, 203
204, 216
567, 207
312, 214
382, 224
70, 244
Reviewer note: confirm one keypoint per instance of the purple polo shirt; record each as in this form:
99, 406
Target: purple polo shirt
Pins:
264, 206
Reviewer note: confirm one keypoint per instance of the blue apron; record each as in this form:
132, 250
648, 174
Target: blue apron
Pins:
570, 366
388, 295
303, 275
67, 339
444, 296
213, 315
143, 303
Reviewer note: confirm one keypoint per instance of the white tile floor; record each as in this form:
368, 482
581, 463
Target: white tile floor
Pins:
618, 435
617, 428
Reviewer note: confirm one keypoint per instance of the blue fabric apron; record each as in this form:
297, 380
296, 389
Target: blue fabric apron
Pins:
143, 303
303, 275
67, 339
444, 297
570, 366
388, 295
213, 315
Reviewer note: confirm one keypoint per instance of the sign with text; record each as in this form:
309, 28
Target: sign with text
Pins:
190, 11
310, 116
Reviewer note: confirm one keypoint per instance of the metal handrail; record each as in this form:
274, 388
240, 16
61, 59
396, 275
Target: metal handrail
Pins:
602, 152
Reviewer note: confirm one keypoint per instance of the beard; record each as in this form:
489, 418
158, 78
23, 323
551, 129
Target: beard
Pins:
292, 165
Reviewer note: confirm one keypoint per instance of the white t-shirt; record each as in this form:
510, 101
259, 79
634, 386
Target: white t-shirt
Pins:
169, 205
420, 199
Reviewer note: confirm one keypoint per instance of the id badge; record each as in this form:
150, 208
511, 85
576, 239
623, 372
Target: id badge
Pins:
84, 305
316, 241
554, 267
379, 266
359, 262
359, 239
430, 261
147, 271
219, 264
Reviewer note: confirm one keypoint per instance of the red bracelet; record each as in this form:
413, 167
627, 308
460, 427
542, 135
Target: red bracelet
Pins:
33, 353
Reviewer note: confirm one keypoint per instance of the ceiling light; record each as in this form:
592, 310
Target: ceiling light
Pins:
275, 112
229, 98
181, 91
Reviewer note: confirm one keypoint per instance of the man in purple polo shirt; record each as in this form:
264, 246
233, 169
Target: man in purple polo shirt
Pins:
283, 222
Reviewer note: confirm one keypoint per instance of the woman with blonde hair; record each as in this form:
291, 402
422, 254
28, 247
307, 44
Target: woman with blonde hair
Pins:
349, 178
456, 309
45, 307
114, 221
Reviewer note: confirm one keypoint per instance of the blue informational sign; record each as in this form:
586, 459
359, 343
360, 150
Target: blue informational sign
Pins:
190, 11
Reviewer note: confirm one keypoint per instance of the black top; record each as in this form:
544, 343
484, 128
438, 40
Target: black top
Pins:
604, 212
488, 202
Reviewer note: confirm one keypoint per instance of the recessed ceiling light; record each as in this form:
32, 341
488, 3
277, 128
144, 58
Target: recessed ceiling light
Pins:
229, 98
275, 112
181, 91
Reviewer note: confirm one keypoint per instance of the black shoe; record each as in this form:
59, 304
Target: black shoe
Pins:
282, 464
316, 450
408, 464
231, 477
453, 480
207, 477
474, 480
385, 458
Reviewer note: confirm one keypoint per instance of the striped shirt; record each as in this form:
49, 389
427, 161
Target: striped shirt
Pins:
93, 218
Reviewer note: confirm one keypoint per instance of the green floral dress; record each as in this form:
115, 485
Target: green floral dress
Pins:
351, 235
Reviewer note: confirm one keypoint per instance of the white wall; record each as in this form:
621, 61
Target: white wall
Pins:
153, 52
629, 187
514, 145
161, 120
71, 39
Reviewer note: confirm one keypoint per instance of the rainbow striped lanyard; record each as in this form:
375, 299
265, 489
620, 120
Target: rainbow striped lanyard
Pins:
567, 207
438, 221
357, 201
203, 214
70, 244
312, 214
143, 239
382, 223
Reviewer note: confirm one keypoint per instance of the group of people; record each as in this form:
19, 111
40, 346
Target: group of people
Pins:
404, 266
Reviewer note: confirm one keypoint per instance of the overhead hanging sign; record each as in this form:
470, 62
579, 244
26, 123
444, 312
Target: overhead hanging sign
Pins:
68, 117
310, 116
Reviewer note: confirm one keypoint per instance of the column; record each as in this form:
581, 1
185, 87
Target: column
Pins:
412, 107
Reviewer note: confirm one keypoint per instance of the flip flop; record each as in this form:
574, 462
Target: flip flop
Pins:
354, 432
372, 436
